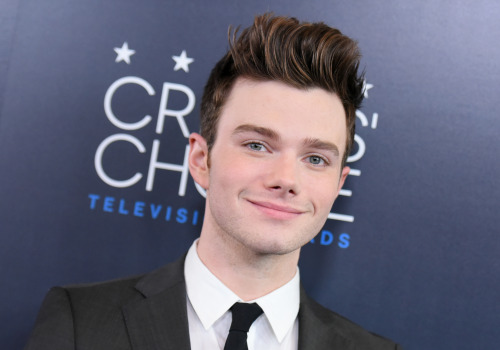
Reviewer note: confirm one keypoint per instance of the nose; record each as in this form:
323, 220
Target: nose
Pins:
283, 175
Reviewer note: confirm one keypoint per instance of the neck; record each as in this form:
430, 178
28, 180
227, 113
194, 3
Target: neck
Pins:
248, 274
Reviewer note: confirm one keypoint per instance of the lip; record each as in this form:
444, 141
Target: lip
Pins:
276, 210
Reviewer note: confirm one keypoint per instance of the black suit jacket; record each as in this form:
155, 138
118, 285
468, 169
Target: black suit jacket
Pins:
149, 312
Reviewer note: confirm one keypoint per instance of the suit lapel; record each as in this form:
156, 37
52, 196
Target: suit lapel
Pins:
316, 332
158, 319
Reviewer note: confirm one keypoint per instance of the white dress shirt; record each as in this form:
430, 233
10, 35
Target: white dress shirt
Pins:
209, 300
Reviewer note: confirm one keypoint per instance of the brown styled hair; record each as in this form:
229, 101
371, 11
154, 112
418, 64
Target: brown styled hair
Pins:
299, 54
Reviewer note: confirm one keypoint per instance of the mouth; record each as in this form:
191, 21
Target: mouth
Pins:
276, 211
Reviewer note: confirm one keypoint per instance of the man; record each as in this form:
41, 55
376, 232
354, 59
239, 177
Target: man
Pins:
277, 124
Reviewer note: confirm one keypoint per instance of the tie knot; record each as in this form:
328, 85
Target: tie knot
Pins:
244, 315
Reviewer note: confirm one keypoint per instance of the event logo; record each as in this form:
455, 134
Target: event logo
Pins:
164, 112
157, 211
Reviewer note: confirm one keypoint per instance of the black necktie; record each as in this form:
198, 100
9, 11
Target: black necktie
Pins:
243, 317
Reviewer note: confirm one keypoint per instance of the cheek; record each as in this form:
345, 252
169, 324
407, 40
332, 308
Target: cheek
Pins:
229, 172
323, 194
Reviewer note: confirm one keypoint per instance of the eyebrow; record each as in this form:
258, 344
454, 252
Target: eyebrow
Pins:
309, 142
323, 145
259, 130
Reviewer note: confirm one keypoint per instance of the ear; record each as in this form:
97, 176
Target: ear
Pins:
198, 159
343, 176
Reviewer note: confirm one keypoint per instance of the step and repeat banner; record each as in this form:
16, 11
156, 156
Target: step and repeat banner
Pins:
97, 100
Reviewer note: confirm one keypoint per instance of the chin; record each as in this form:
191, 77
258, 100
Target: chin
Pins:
276, 247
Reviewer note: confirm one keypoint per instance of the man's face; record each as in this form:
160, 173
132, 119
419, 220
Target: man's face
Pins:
275, 166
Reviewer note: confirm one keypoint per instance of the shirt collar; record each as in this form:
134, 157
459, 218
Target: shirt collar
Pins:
210, 298
281, 306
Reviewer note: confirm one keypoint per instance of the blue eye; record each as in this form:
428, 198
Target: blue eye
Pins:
254, 146
316, 160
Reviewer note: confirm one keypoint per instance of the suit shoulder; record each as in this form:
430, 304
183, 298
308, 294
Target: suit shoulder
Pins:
347, 329
122, 290
80, 313
92, 315
111, 291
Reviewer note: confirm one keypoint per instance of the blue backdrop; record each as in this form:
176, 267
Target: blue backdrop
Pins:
93, 189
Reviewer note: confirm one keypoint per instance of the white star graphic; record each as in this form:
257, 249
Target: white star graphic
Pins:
366, 87
123, 53
182, 62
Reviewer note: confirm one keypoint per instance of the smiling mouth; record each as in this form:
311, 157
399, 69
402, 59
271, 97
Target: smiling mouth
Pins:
276, 211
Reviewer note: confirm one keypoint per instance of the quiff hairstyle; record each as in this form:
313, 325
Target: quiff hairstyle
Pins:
300, 54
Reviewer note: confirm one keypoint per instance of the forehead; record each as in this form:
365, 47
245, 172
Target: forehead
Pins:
291, 112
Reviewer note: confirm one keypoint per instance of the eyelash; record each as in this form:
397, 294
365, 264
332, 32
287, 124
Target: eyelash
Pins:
325, 161
249, 143
261, 144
